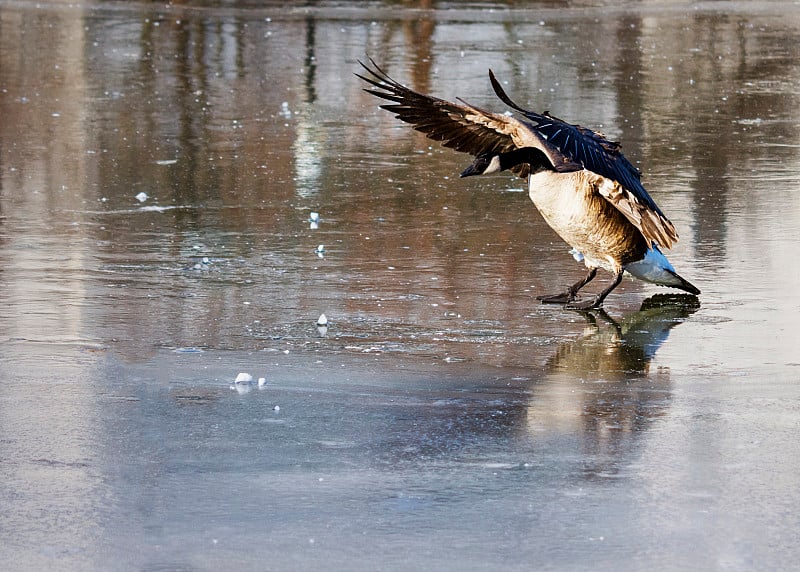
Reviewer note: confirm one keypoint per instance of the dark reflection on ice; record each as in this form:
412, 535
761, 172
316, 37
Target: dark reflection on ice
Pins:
614, 395
621, 349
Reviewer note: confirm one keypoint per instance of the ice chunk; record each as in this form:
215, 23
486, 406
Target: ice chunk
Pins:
243, 378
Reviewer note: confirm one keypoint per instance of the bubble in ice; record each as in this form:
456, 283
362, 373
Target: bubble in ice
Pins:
243, 378
142, 197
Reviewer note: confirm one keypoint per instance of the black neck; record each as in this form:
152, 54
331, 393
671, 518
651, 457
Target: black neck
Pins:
531, 155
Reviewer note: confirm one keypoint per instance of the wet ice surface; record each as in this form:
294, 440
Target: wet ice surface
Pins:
191, 197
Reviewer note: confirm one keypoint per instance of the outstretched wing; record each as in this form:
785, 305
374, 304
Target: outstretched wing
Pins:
597, 154
472, 130
460, 126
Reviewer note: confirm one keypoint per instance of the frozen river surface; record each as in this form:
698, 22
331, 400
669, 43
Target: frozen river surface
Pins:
159, 167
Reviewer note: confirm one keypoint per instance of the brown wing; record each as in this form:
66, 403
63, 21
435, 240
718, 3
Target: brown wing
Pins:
460, 126
654, 226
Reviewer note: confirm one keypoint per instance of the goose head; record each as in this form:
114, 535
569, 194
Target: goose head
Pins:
484, 164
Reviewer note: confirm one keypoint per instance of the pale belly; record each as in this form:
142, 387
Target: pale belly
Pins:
571, 205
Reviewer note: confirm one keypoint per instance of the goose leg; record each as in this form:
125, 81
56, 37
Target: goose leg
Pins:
597, 301
572, 291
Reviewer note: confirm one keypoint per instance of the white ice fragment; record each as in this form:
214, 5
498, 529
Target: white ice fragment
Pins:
243, 378
262, 381
322, 320
141, 197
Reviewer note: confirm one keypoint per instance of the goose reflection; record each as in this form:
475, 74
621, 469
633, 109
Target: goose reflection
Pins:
618, 350
598, 394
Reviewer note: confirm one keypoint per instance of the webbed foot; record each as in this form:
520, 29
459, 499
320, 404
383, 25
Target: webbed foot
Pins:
563, 298
571, 293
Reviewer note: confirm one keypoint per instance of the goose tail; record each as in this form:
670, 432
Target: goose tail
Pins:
656, 269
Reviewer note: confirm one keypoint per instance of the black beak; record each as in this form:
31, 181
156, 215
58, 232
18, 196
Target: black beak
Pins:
469, 171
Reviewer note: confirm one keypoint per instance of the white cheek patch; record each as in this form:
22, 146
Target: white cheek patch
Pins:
494, 166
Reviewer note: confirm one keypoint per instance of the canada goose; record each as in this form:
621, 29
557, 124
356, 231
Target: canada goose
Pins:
583, 186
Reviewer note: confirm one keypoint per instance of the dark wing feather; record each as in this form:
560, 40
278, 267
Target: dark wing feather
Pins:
597, 154
451, 123
589, 148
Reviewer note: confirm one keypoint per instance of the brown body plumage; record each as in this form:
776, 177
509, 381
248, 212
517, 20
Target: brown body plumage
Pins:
586, 220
